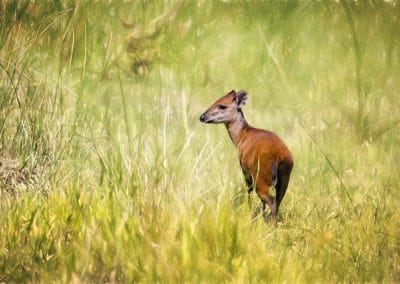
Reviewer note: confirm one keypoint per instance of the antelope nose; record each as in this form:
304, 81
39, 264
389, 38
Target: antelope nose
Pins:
203, 117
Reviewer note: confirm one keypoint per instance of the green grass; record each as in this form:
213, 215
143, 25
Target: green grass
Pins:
106, 174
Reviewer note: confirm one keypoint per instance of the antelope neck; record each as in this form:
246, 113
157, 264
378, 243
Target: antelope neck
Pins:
236, 126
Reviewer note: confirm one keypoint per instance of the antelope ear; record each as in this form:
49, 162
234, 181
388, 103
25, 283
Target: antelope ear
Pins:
241, 98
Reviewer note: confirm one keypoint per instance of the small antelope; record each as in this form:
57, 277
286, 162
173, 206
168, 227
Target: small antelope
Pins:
264, 158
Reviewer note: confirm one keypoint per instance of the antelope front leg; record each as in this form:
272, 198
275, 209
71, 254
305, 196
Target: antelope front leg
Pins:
249, 184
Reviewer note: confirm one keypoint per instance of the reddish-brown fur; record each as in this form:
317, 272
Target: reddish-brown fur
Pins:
264, 158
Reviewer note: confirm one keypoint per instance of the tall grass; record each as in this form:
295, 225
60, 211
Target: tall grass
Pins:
107, 175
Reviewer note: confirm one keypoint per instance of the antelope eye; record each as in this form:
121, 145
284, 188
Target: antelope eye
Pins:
222, 107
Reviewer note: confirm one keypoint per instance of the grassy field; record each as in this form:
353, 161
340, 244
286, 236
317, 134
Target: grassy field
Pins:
107, 175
